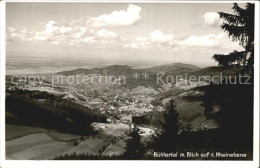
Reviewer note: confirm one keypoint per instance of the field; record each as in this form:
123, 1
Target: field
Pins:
116, 148
17, 131
24, 142
34, 146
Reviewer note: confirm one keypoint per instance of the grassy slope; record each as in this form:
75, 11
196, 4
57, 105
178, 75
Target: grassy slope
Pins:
17, 131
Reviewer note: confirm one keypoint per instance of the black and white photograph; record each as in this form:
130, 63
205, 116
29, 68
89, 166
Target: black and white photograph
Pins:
130, 81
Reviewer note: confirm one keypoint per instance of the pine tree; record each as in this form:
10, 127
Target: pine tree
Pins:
240, 27
207, 101
167, 140
134, 147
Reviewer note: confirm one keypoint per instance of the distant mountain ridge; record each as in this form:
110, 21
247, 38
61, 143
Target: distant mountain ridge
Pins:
108, 70
127, 70
173, 69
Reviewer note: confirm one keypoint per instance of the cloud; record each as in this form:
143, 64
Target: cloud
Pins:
159, 36
212, 19
40, 37
80, 31
155, 39
79, 35
65, 34
14, 34
54, 34
106, 34
24, 31
65, 30
11, 29
51, 27
55, 42
210, 40
88, 39
118, 18
211, 43
132, 45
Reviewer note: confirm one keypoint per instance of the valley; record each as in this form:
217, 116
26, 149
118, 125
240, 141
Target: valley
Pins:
122, 104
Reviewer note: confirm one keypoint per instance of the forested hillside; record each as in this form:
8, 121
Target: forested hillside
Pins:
42, 109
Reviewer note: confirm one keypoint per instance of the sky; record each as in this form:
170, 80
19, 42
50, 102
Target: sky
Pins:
141, 32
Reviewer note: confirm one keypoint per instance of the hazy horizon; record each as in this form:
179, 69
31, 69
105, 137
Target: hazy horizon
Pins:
26, 65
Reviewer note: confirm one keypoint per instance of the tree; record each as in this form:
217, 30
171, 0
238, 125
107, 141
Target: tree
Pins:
207, 102
167, 140
240, 27
134, 147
